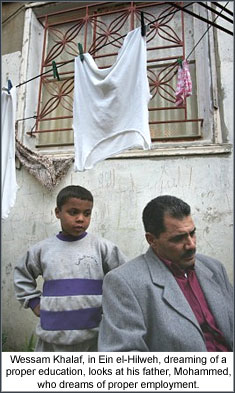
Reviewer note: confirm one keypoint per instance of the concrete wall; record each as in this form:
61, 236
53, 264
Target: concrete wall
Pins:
121, 189
12, 26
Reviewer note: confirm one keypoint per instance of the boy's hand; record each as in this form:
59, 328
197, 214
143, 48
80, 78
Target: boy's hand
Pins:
36, 310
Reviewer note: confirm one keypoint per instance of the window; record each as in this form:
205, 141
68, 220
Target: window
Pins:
100, 27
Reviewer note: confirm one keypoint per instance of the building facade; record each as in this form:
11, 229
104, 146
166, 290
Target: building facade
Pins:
191, 155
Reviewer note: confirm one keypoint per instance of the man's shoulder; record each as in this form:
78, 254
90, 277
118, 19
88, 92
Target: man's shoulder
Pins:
132, 268
212, 263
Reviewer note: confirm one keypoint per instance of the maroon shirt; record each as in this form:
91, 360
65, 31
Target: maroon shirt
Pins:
191, 289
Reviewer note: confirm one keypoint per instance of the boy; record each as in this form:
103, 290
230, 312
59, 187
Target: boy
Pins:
73, 264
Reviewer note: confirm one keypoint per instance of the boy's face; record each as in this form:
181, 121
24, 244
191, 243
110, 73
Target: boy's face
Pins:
75, 216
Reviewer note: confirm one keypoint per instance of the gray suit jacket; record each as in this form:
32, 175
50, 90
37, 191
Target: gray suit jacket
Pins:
144, 309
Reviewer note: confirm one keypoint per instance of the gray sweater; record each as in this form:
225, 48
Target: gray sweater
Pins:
73, 272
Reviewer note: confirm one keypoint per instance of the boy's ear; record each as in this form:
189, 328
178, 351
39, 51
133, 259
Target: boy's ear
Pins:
57, 212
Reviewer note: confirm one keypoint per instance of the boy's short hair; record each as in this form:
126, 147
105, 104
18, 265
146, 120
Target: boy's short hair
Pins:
155, 211
72, 192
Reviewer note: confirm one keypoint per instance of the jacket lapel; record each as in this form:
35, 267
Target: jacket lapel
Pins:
171, 292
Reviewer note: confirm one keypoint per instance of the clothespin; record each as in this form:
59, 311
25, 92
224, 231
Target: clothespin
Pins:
143, 27
180, 62
55, 71
9, 85
80, 48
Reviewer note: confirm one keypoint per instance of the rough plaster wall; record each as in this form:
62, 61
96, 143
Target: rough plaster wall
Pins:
12, 26
121, 189
225, 46
10, 68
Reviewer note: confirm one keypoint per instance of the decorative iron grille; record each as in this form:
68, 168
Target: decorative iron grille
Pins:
101, 28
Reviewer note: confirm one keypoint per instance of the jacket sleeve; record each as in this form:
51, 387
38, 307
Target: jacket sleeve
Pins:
25, 275
123, 327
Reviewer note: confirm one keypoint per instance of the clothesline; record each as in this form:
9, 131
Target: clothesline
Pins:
219, 14
157, 20
148, 24
220, 6
216, 12
172, 13
91, 53
204, 19
206, 31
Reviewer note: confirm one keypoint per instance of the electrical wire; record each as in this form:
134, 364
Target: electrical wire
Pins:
13, 14
204, 19
148, 24
206, 32
92, 52
178, 8
215, 12
220, 6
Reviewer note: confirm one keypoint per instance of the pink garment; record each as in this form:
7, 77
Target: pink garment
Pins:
184, 83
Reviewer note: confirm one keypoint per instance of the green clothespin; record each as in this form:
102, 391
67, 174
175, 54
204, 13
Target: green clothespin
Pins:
180, 61
55, 71
80, 48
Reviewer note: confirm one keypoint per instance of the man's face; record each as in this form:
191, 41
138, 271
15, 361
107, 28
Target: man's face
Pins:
178, 243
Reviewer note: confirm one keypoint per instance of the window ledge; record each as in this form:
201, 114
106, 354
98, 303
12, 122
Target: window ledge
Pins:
162, 151
224, 148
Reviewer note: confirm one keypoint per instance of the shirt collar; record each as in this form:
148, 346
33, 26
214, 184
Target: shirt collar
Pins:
175, 269
70, 238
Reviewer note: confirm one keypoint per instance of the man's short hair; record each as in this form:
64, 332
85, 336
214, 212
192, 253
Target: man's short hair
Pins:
72, 192
155, 211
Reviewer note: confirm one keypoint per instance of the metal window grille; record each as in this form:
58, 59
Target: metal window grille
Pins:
99, 28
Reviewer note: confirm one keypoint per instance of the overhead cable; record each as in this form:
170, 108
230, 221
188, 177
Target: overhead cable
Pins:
215, 11
211, 23
202, 18
206, 31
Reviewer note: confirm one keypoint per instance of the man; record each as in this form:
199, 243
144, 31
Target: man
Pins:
170, 298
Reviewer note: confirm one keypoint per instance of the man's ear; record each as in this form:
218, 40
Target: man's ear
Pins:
57, 212
150, 238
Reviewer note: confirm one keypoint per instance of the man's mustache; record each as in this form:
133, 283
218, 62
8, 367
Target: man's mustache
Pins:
189, 253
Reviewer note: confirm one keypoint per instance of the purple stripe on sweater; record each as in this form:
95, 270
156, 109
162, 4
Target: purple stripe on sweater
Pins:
87, 318
72, 287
